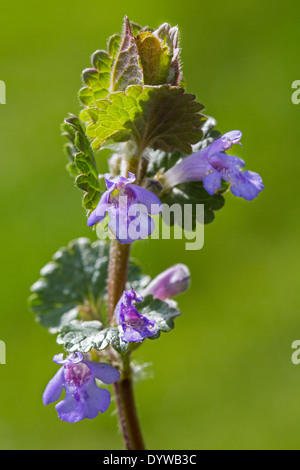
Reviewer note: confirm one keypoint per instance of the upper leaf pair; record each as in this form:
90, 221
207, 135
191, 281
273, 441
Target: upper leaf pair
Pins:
133, 92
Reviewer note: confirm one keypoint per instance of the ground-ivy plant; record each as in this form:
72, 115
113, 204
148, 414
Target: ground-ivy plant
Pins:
163, 151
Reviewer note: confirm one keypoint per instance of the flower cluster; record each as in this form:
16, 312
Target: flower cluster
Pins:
84, 399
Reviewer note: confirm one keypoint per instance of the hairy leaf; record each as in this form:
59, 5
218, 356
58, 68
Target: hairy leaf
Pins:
72, 284
169, 38
194, 193
163, 313
82, 163
96, 79
126, 69
155, 59
163, 117
82, 336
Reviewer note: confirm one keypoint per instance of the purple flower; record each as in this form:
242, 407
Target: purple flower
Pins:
84, 399
128, 207
169, 283
135, 326
211, 166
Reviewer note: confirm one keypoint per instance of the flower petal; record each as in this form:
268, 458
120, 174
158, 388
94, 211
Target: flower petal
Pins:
136, 327
171, 282
212, 182
191, 168
118, 181
98, 400
129, 227
54, 388
224, 143
147, 198
104, 372
246, 184
223, 162
71, 408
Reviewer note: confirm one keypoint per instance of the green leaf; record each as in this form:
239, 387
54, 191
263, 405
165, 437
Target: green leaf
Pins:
135, 278
72, 285
163, 117
155, 59
126, 69
194, 193
187, 193
82, 162
114, 44
162, 161
170, 37
159, 311
96, 79
82, 336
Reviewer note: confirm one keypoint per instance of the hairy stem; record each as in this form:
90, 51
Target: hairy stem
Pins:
128, 418
129, 422
117, 277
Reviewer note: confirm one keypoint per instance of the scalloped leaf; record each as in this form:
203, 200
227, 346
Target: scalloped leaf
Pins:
187, 193
194, 193
96, 79
82, 336
163, 117
74, 284
159, 55
82, 162
163, 313
155, 59
126, 70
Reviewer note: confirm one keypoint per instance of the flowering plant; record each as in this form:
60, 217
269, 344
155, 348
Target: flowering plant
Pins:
93, 296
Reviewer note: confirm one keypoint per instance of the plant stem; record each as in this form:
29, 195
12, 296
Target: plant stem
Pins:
117, 275
128, 418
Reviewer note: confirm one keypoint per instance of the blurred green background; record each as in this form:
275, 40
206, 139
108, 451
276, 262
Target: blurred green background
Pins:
224, 378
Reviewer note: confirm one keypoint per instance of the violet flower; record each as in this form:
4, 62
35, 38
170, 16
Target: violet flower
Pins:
211, 166
169, 283
128, 207
136, 327
84, 399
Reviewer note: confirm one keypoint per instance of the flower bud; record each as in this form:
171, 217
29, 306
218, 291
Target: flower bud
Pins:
169, 283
